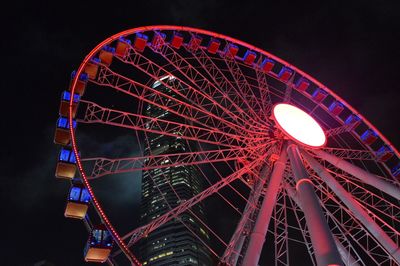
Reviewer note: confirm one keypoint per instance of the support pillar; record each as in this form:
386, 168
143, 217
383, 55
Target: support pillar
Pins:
347, 258
232, 252
326, 252
355, 207
257, 236
366, 177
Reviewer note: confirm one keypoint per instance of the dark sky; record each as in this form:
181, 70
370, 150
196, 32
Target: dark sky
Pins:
351, 46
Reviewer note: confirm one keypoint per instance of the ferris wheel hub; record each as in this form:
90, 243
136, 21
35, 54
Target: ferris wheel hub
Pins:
298, 125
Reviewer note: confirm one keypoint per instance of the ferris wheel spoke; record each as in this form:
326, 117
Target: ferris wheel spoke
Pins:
98, 114
225, 85
140, 232
197, 96
349, 154
288, 90
379, 182
242, 84
265, 93
167, 102
369, 199
106, 166
356, 209
212, 88
341, 129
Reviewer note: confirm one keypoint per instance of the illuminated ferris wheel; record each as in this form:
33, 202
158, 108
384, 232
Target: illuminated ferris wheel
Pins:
301, 172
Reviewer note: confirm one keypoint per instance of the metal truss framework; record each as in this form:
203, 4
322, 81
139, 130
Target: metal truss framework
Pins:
222, 103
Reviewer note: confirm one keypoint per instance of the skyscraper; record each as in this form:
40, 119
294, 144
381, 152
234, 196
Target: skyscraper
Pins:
164, 188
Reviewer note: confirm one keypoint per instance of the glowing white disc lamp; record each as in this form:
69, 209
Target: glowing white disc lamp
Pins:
298, 125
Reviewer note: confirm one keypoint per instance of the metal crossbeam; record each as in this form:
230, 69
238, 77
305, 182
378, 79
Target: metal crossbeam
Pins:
105, 166
341, 129
349, 154
98, 114
176, 105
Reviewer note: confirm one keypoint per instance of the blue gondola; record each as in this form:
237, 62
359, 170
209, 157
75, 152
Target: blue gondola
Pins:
177, 40
319, 95
92, 68
99, 244
66, 166
285, 74
62, 135
369, 137
302, 84
267, 65
249, 57
231, 50
64, 105
140, 42
106, 55
336, 108
353, 120
122, 47
80, 84
384, 153
213, 46
77, 202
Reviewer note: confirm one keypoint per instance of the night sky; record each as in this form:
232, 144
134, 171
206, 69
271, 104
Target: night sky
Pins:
350, 46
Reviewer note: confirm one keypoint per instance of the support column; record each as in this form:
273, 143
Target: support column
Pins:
232, 252
326, 252
347, 258
257, 236
366, 177
355, 207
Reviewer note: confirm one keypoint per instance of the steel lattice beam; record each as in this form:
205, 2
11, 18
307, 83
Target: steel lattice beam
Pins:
368, 178
105, 166
349, 154
98, 114
175, 105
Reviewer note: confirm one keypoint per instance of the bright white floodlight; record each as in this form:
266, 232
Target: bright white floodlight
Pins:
299, 125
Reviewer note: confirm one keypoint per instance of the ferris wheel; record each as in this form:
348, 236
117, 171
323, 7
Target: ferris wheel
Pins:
302, 173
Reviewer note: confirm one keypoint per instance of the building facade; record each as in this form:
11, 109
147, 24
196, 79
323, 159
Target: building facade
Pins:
174, 243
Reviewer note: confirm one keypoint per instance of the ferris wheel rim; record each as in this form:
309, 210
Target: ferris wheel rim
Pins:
200, 31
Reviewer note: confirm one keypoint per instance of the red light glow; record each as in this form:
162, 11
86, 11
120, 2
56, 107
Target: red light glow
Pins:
299, 125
